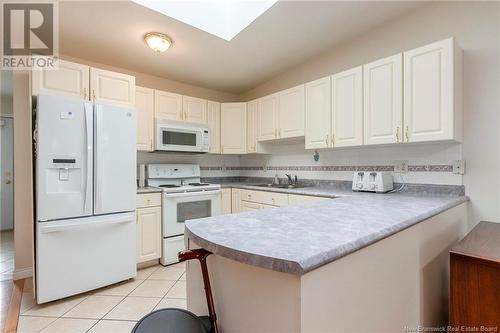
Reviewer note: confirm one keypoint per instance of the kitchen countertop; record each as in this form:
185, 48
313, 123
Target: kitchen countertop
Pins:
297, 239
326, 192
149, 189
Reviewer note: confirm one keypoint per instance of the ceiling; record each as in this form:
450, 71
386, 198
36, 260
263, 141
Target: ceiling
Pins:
290, 32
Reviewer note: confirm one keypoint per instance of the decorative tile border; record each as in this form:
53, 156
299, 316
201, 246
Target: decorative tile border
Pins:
411, 168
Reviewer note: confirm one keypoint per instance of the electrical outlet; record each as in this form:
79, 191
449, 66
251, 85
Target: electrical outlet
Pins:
459, 167
401, 166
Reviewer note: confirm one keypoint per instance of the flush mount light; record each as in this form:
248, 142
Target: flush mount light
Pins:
157, 41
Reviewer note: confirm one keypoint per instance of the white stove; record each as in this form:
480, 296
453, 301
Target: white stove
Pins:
184, 198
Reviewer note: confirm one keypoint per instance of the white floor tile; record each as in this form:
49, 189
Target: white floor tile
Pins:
153, 288
113, 326
27, 324
119, 289
172, 303
133, 308
167, 273
183, 277
69, 325
94, 307
27, 302
144, 273
55, 309
178, 290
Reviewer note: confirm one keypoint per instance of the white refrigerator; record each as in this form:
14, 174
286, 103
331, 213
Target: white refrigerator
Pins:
85, 196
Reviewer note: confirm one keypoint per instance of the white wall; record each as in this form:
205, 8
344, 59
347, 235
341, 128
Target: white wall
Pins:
476, 26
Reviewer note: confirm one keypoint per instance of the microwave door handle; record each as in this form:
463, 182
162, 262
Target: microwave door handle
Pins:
191, 194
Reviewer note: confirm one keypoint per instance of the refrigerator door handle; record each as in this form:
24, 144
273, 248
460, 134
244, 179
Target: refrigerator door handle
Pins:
79, 225
89, 157
98, 158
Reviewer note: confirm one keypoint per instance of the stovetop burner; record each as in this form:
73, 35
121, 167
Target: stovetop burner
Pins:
169, 185
198, 184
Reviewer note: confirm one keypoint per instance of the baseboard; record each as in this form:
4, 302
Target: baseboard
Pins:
22, 273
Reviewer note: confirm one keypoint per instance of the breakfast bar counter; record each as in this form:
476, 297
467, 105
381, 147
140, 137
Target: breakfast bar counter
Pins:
321, 266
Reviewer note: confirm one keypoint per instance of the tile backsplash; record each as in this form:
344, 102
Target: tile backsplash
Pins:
428, 163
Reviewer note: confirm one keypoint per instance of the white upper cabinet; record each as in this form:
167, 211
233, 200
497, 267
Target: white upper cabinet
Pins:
318, 112
268, 118
112, 88
214, 126
252, 126
291, 114
194, 109
347, 108
432, 92
168, 106
144, 104
233, 128
383, 100
70, 79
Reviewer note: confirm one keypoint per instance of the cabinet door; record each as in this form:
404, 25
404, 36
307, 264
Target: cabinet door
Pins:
347, 108
70, 79
225, 201
233, 128
144, 103
268, 118
383, 100
429, 92
318, 113
291, 112
168, 106
252, 122
235, 200
148, 233
112, 88
194, 109
214, 126
247, 206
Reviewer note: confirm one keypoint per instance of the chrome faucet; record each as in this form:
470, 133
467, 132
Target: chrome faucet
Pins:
290, 180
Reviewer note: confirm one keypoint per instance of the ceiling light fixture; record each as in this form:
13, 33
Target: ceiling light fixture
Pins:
157, 41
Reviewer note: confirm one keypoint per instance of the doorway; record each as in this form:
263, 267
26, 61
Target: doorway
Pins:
6, 177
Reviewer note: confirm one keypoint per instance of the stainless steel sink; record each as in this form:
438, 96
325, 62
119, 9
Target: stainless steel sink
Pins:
292, 186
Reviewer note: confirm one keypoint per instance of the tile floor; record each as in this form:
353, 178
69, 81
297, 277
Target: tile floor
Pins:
112, 309
6, 255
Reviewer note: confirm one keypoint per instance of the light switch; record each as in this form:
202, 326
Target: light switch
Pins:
63, 174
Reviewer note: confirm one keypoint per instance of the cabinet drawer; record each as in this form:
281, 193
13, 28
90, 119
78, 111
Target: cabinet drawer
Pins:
148, 200
267, 198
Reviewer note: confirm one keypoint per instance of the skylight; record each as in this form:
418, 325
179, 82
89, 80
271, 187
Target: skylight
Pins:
222, 18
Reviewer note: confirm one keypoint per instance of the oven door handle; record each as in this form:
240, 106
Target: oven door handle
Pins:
191, 194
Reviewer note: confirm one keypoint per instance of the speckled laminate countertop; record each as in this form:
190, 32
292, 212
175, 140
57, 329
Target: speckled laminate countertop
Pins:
297, 239
148, 189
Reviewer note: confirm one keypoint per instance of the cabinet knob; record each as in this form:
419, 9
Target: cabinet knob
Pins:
397, 134
333, 140
326, 140
407, 135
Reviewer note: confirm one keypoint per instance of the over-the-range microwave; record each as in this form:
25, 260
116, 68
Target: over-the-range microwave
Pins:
179, 136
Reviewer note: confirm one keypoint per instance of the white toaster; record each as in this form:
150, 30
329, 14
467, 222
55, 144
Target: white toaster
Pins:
372, 181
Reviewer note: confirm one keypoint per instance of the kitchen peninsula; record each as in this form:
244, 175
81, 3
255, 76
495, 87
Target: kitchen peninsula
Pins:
379, 261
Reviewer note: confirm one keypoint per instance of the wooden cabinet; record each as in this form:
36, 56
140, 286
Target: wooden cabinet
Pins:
475, 278
383, 100
347, 108
148, 220
264, 197
213, 116
235, 200
70, 79
291, 115
168, 106
432, 92
318, 113
194, 109
268, 118
144, 104
252, 125
247, 206
112, 88
225, 201
233, 128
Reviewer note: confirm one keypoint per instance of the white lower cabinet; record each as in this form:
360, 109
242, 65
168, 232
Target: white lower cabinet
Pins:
172, 246
225, 201
148, 220
235, 200
294, 199
247, 206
